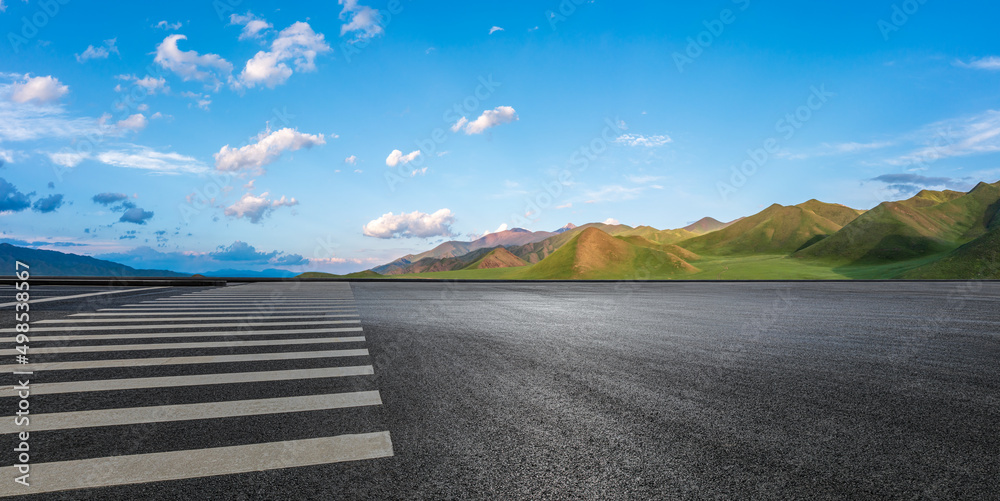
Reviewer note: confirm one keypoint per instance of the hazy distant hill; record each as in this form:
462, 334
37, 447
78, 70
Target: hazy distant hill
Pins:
514, 237
57, 264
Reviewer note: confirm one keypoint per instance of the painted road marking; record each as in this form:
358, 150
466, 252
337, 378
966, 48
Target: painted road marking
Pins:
176, 465
193, 380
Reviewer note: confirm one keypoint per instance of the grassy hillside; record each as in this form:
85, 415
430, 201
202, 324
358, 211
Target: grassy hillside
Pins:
978, 259
933, 235
594, 254
932, 222
775, 230
497, 258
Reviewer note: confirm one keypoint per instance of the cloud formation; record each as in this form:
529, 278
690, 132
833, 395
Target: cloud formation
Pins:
398, 158
991, 63
38, 90
135, 215
100, 52
253, 26
297, 43
413, 225
365, 22
637, 140
11, 199
267, 149
142, 157
189, 65
256, 208
489, 119
48, 204
109, 198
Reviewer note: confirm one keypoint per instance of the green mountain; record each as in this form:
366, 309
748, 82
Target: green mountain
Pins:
933, 235
596, 255
775, 230
932, 222
497, 258
978, 259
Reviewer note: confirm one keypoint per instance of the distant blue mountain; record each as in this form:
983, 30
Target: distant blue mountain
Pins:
60, 264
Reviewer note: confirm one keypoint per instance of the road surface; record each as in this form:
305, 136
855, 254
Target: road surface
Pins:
510, 391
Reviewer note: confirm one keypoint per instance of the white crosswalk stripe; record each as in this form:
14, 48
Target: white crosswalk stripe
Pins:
269, 333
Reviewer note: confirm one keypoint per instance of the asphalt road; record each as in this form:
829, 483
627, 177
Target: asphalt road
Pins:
539, 391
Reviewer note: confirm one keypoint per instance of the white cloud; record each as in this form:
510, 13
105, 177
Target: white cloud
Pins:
352, 160
144, 158
255, 208
611, 221
568, 205
991, 63
495, 29
413, 225
636, 140
38, 89
459, 124
267, 149
151, 84
253, 26
203, 101
30, 122
133, 123
418, 172
959, 137
163, 25
365, 22
298, 43
489, 119
92, 52
398, 158
189, 65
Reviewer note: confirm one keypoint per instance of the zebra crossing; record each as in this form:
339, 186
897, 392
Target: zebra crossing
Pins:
191, 361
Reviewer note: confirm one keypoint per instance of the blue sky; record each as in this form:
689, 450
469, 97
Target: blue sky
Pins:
336, 136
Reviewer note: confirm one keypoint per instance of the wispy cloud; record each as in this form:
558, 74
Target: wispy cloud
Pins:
141, 157
959, 137
637, 140
991, 63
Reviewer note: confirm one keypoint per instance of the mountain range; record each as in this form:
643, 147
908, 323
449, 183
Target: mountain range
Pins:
934, 235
